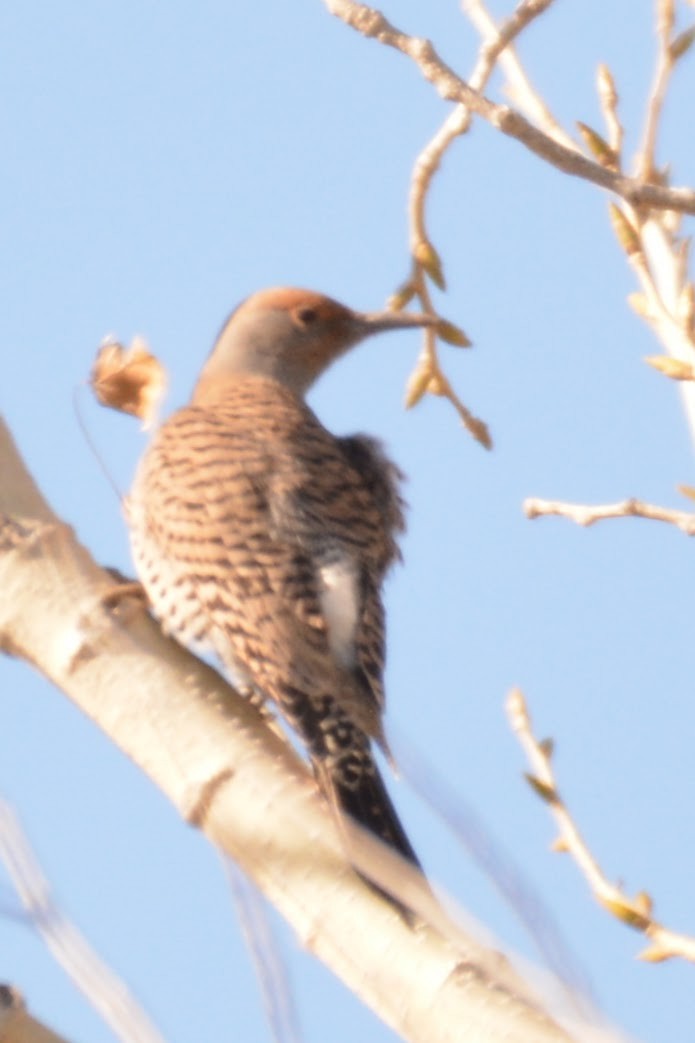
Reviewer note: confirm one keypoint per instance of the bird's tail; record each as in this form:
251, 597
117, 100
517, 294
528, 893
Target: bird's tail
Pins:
362, 794
346, 771
364, 800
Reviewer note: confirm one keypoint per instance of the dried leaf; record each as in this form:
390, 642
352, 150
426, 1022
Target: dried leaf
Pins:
625, 233
130, 380
426, 256
599, 147
676, 369
452, 334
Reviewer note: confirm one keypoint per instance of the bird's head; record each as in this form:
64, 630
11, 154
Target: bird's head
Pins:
292, 336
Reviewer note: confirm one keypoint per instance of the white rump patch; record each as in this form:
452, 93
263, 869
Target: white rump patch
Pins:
339, 604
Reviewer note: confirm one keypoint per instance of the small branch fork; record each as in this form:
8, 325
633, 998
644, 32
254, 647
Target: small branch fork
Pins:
585, 515
452, 87
647, 221
429, 375
636, 912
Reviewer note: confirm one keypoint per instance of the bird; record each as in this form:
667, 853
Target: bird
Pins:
261, 537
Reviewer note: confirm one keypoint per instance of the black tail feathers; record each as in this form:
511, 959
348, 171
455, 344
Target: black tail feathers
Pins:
345, 769
367, 802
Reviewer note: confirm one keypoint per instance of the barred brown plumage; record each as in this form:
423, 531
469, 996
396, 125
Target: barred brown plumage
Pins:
263, 538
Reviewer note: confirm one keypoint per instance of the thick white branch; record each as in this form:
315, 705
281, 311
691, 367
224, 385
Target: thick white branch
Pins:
226, 771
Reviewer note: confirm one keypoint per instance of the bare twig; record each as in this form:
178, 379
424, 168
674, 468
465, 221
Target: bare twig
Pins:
662, 284
665, 17
498, 864
372, 23
586, 515
635, 912
429, 375
263, 948
651, 207
525, 12
107, 993
495, 42
657, 257
608, 97
440, 385
518, 88
660, 259
212, 755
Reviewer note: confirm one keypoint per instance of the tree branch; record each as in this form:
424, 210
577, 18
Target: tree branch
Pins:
635, 912
428, 375
583, 514
224, 769
372, 23
109, 996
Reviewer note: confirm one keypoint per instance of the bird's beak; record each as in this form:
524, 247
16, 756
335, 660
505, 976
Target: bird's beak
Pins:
380, 321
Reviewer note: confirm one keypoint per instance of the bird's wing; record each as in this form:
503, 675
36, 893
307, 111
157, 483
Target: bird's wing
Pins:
382, 479
338, 500
203, 536
258, 535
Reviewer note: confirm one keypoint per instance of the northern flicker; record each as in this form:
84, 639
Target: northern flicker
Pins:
262, 537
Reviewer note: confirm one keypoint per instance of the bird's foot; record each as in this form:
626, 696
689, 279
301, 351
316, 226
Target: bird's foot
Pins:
125, 595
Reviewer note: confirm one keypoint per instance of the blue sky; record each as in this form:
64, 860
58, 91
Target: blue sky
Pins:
160, 162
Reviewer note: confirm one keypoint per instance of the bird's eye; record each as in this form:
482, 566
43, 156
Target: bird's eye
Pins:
305, 316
